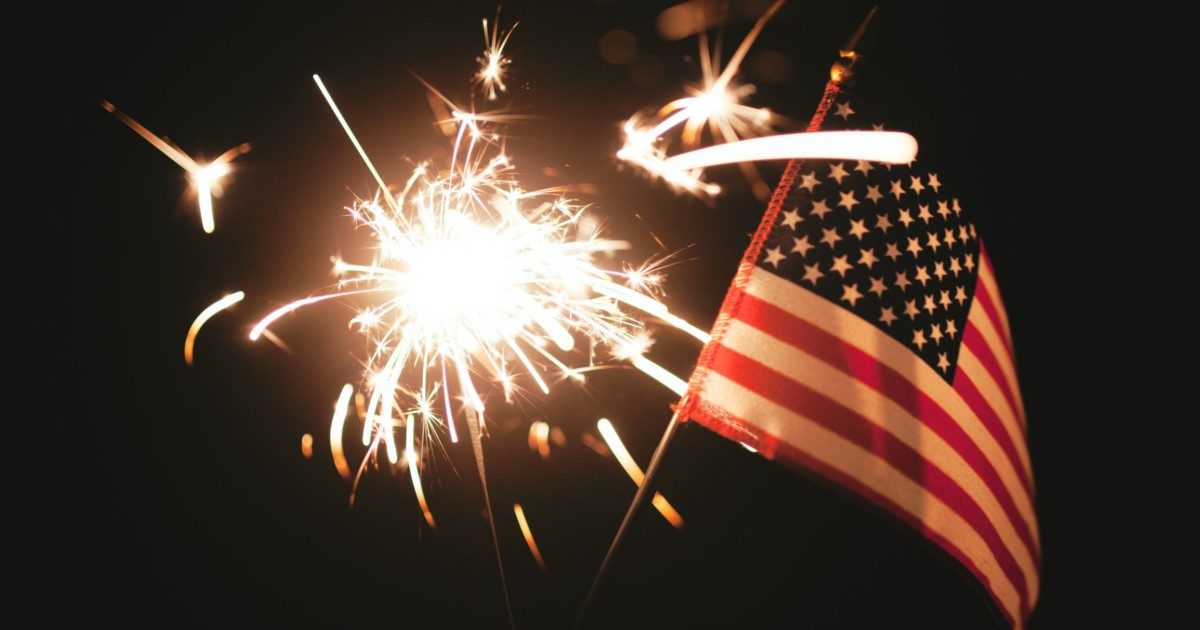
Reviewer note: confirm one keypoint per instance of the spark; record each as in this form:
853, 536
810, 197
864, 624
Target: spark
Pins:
541, 435
206, 178
189, 342
493, 64
353, 138
609, 433
596, 445
644, 278
533, 548
410, 456
660, 374
336, 428
539, 438
306, 445
273, 338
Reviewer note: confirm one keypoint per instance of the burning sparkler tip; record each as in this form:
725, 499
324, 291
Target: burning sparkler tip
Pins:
475, 276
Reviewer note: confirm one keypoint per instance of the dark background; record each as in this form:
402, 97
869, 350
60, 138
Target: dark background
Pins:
148, 493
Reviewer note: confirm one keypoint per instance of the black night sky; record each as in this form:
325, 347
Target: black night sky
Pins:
146, 493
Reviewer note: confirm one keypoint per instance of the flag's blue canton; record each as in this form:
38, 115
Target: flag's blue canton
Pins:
889, 243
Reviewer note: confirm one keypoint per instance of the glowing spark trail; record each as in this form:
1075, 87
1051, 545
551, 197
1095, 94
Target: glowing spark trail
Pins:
336, 428
353, 139
205, 177
189, 343
880, 146
609, 433
410, 456
533, 548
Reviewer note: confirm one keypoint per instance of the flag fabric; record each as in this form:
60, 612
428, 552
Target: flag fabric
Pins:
864, 339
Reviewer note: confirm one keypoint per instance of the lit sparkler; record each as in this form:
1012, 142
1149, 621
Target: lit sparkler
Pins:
717, 106
478, 286
205, 177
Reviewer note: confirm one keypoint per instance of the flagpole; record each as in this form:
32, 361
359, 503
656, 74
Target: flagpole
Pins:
639, 499
840, 72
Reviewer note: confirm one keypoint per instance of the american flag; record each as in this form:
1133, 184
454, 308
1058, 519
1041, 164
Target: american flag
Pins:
864, 339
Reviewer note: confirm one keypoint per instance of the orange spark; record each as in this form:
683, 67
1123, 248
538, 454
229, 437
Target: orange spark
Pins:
635, 472
336, 428
533, 548
410, 455
189, 342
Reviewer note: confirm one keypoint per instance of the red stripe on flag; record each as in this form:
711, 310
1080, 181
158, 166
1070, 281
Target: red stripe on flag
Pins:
988, 303
775, 449
987, 276
826, 412
853, 361
973, 340
966, 388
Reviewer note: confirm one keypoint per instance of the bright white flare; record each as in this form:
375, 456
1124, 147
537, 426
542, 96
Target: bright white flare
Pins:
414, 462
478, 286
894, 147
